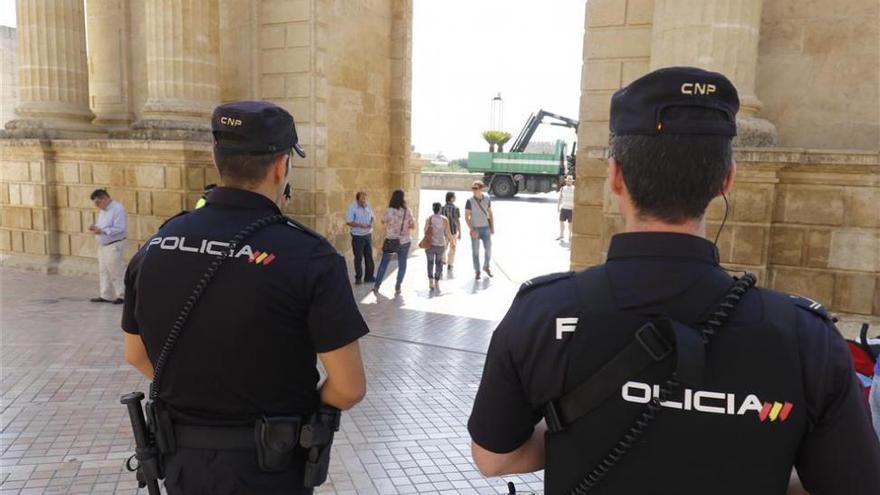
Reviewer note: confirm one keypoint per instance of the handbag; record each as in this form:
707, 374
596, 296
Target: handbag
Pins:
425, 243
392, 245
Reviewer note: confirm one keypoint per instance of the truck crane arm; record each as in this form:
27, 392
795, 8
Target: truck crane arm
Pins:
535, 120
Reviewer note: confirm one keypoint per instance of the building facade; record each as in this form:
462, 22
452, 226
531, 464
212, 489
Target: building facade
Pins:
127, 109
803, 213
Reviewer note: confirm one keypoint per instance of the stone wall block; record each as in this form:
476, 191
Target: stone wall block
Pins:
83, 245
863, 207
85, 173
108, 174
59, 244
585, 251
601, 74
272, 36
5, 240
815, 284
15, 194
300, 34
35, 243
148, 225
166, 204
36, 169
15, 171
787, 245
4, 193
753, 203
854, 293
38, 219
70, 221
634, 69
855, 250
17, 241
799, 205
639, 12
144, 202
58, 196
281, 11
173, 177
748, 246
32, 195
629, 42
79, 196
272, 86
195, 179
16, 218
601, 13
149, 176
66, 173
818, 248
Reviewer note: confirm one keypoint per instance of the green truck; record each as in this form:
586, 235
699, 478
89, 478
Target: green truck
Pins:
517, 171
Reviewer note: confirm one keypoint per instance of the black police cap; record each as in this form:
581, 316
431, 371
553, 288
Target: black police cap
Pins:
676, 100
256, 127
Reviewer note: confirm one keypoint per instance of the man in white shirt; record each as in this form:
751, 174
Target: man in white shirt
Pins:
360, 218
110, 232
565, 206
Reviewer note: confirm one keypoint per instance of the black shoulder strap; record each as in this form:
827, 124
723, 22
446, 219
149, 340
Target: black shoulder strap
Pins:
198, 290
654, 341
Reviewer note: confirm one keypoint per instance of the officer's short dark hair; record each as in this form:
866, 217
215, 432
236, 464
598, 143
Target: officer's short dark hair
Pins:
673, 177
244, 168
450, 196
99, 193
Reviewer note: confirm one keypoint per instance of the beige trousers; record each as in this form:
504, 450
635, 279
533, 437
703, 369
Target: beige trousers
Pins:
111, 268
450, 254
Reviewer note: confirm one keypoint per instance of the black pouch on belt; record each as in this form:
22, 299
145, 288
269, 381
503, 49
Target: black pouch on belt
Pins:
277, 439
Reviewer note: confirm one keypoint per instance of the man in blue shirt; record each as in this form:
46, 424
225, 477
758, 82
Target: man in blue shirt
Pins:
360, 218
110, 231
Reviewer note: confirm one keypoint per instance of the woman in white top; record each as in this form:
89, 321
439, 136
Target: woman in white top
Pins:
437, 229
398, 221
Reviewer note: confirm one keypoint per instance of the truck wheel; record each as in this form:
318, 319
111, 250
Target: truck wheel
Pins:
503, 187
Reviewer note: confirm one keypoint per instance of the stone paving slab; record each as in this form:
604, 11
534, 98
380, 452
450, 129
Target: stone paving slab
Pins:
63, 431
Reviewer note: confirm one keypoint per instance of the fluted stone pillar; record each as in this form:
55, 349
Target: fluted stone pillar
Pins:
109, 58
717, 35
53, 80
182, 69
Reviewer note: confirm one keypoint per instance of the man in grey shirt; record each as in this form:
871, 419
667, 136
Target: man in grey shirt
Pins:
478, 215
110, 232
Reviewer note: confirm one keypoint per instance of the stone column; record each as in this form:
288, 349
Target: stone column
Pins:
182, 69
717, 35
53, 81
109, 59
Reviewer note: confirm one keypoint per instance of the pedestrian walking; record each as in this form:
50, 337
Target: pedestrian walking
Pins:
399, 223
439, 236
453, 214
480, 220
565, 206
360, 218
110, 230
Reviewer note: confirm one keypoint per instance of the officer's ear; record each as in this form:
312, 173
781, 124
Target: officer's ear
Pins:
728, 180
615, 177
280, 168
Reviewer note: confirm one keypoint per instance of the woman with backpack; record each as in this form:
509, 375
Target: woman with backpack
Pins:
398, 221
437, 236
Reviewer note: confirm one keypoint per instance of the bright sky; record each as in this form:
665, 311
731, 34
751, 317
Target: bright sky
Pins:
466, 51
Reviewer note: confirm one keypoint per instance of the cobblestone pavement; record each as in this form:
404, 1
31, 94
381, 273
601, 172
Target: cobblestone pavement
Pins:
63, 431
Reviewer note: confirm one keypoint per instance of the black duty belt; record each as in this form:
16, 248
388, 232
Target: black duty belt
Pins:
214, 437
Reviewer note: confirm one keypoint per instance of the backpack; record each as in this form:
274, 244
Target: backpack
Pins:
865, 353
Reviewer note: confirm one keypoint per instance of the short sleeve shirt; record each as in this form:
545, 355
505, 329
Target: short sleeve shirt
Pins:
451, 212
526, 362
398, 224
249, 347
479, 210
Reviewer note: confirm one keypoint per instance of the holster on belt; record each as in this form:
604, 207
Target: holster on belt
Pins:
317, 438
277, 439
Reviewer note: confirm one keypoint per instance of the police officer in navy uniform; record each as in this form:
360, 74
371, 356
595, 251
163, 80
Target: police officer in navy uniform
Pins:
249, 348
658, 372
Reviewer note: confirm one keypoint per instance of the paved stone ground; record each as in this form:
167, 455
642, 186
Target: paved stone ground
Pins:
62, 429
